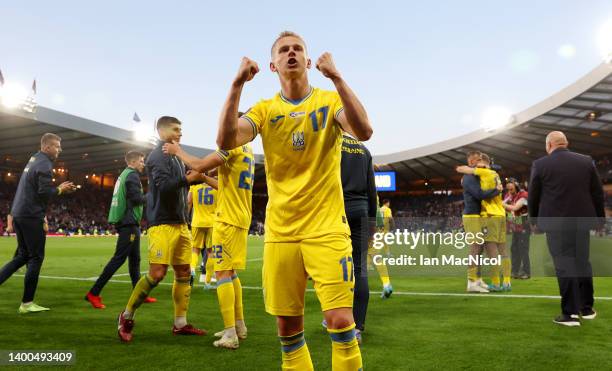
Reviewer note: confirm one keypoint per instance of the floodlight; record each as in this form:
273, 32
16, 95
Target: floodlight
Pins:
496, 117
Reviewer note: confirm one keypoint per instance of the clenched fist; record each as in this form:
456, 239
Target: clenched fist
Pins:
248, 69
326, 65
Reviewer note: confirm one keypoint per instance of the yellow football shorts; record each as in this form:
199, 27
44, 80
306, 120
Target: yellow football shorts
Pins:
202, 237
495, 229
229, 246
169, 244
472, 224
287, 266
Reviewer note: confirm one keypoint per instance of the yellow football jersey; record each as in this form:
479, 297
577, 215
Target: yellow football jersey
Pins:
204, 200
302, 142
236, 178
387, 215
489, 179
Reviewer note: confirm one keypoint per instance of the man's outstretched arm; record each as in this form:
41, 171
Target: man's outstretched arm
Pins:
234, 131
354, 115
200, 165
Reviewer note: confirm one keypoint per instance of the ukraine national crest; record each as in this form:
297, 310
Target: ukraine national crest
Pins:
298, 141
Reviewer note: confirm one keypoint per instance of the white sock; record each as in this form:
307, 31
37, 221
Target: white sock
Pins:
180, 322
28, 303
229, 332
128, 315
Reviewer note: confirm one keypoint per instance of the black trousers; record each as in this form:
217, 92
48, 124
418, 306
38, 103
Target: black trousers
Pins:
358, 223
30, 251
569, 249
128, 247
520, 253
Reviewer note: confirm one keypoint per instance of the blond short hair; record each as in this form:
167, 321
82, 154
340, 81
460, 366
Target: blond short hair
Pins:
485, 158
47, 138
283, 35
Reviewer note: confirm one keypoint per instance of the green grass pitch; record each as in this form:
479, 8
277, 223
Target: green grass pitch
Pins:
419, 327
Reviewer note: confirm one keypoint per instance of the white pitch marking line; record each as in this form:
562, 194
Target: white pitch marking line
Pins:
406, 293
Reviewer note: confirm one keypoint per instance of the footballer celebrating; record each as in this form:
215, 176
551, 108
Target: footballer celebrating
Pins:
230, 230
169, 236
306, 228
494, 220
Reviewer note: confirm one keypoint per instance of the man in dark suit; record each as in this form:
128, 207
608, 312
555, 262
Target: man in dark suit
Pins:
34, 191
566, 200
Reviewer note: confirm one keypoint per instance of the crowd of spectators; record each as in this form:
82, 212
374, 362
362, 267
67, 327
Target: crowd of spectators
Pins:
86, 211
83, 212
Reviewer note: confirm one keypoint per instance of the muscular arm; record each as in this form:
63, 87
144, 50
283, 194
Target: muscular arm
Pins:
234, 131
353, 118
463, 169
213, 182
203, 164
354, 115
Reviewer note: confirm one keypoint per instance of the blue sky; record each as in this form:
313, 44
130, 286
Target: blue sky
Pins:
424, 70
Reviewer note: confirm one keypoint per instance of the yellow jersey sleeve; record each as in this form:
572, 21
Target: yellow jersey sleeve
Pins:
337, 106
256, 116
223, 154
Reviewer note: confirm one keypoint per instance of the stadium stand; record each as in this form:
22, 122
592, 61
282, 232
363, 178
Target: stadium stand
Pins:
427, 183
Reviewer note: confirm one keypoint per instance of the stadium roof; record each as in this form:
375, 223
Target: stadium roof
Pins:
88, 146
582, 110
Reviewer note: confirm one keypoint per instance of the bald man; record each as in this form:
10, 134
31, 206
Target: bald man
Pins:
566, 200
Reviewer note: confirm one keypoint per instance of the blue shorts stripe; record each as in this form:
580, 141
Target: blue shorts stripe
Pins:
224, 280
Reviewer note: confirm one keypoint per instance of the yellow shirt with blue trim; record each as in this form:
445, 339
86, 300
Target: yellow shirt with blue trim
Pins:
204, 201
489, 179
236, 177
302, 142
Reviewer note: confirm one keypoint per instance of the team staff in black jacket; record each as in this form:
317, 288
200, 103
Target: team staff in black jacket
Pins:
126, 214
359, 191
34, 191
566, 200
169, 236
